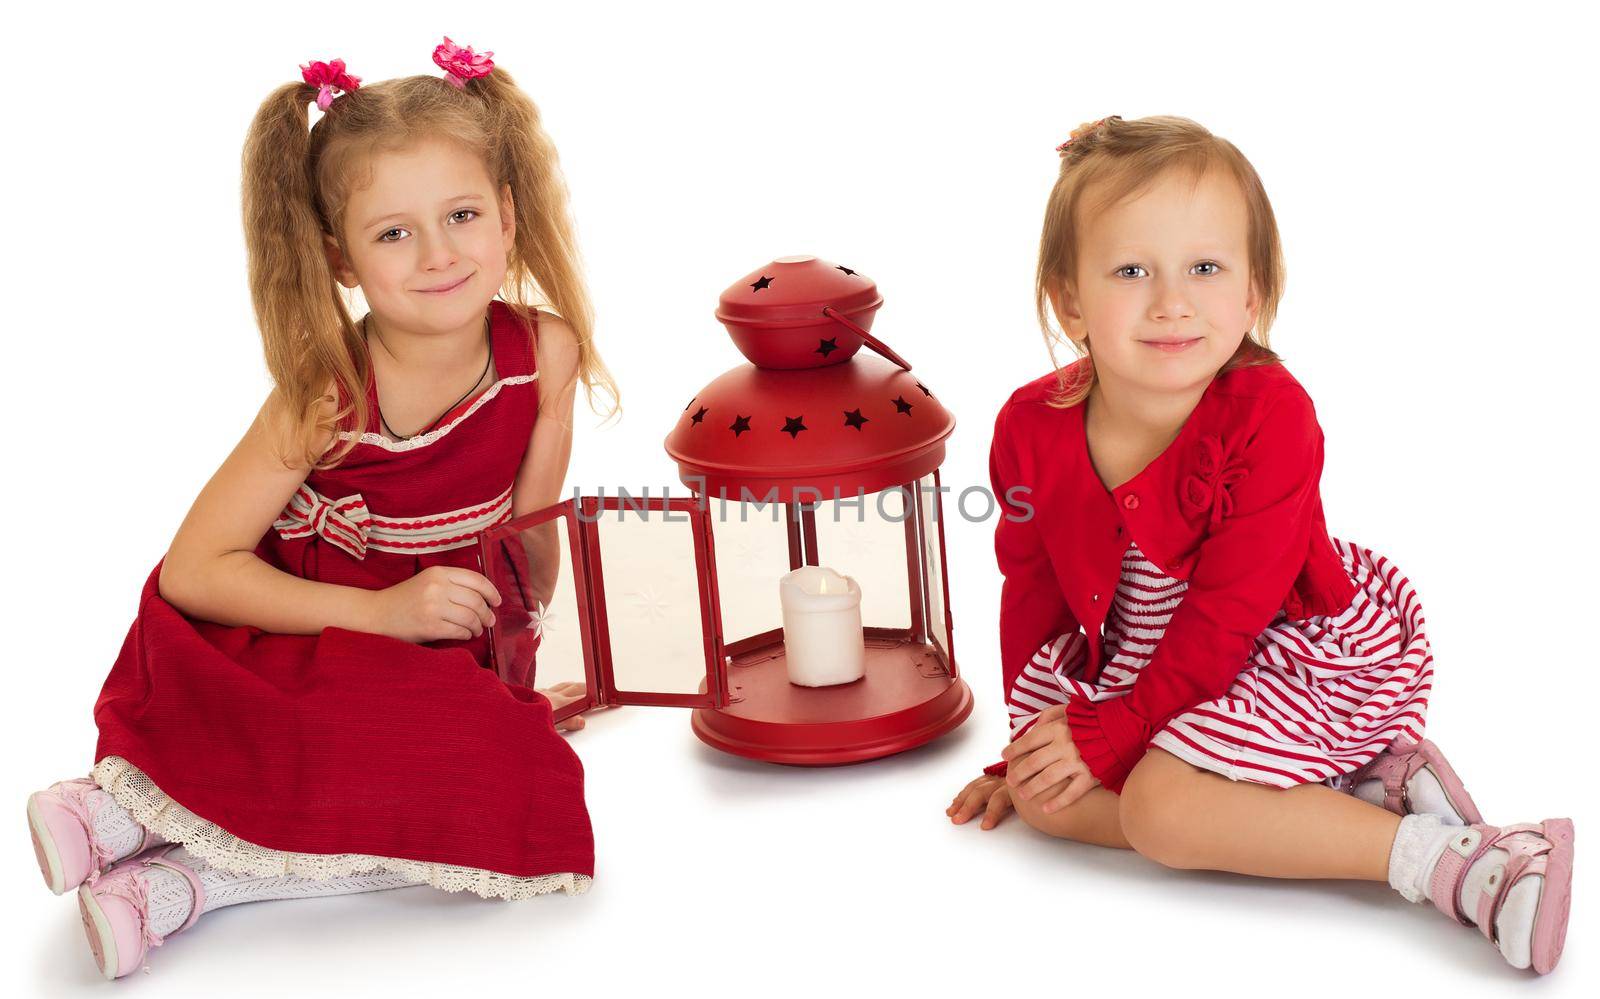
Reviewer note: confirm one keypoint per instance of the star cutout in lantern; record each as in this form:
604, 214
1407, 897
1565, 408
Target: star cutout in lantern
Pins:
792, 426
699, 415
901, 405
740, 425
853, 418
826, 347
765, 282
924, 389
846, 270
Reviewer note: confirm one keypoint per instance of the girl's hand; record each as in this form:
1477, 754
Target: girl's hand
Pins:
561, 695
1044, 763
986, 793
439, 602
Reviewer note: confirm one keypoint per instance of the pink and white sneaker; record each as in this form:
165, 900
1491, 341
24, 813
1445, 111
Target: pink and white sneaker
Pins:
61, 819
1529, 926
117, 916
1415, 777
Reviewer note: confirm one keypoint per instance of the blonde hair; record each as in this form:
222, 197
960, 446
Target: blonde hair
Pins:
1120, 159
297, 181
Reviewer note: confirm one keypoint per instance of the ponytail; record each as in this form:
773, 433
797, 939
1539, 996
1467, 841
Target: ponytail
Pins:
545, 254
311, 343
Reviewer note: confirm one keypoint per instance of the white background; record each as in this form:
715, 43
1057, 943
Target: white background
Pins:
1431, 171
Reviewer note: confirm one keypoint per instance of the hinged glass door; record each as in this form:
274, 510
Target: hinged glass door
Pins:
615, 593
653, 591
543, 633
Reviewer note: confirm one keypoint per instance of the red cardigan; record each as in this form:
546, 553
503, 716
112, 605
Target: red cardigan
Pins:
1232, 506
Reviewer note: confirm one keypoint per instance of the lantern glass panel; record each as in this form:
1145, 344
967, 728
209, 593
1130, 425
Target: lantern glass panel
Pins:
869, 545
933, 510
752, 548
653, 617
538, 633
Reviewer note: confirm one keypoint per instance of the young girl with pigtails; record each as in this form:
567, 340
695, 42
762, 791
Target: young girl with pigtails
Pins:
302, 705
1194, 668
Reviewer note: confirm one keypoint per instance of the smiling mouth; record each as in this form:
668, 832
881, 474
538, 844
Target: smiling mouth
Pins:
445, 288
1173, 345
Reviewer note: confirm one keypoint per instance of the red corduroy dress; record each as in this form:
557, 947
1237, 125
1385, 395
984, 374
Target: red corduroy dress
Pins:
408, 757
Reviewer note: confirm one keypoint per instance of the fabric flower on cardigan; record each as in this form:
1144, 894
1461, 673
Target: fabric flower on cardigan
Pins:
328, 77
1207, 490
461, 64
1294, 607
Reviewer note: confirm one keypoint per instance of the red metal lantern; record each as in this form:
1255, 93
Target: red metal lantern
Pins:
684, 609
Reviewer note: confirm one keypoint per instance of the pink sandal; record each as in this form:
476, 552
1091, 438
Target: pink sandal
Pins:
116, 911
1396, 766
1542, 849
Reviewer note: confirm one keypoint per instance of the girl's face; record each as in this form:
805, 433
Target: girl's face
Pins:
427, 239
1169, 265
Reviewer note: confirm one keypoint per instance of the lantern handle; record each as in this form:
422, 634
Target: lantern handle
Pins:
868, 338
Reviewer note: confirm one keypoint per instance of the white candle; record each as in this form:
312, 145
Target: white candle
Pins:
822, 635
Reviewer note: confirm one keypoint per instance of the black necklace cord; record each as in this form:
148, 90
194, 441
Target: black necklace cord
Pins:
488, 336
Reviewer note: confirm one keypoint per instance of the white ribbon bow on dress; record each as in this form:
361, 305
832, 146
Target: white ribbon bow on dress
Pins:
344, 522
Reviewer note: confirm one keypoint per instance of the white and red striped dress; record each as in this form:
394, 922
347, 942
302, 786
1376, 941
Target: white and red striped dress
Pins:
1316, 698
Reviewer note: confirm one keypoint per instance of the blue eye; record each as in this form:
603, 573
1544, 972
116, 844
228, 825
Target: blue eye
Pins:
1121, 271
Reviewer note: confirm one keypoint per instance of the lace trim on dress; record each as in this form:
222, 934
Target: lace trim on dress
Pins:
423, 440
157, 812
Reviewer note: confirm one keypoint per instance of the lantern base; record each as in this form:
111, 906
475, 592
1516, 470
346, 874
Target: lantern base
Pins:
906, 698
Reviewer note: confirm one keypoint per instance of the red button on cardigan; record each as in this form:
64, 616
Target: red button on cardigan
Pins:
1232, 506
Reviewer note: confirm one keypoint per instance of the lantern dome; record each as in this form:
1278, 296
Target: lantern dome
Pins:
863, 423
802, 312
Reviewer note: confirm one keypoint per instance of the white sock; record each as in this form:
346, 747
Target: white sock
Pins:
1426, 794
1418, 845
171, 895
115, 826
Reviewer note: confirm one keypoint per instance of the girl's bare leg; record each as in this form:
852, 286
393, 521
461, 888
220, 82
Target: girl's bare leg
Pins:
1093, 819
1181, 816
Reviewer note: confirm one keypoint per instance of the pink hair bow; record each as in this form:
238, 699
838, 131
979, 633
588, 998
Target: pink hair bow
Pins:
1085, 129
328, 77
461, 64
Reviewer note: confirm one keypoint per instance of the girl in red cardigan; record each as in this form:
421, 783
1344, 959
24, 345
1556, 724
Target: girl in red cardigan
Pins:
302, 705
1194, 668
